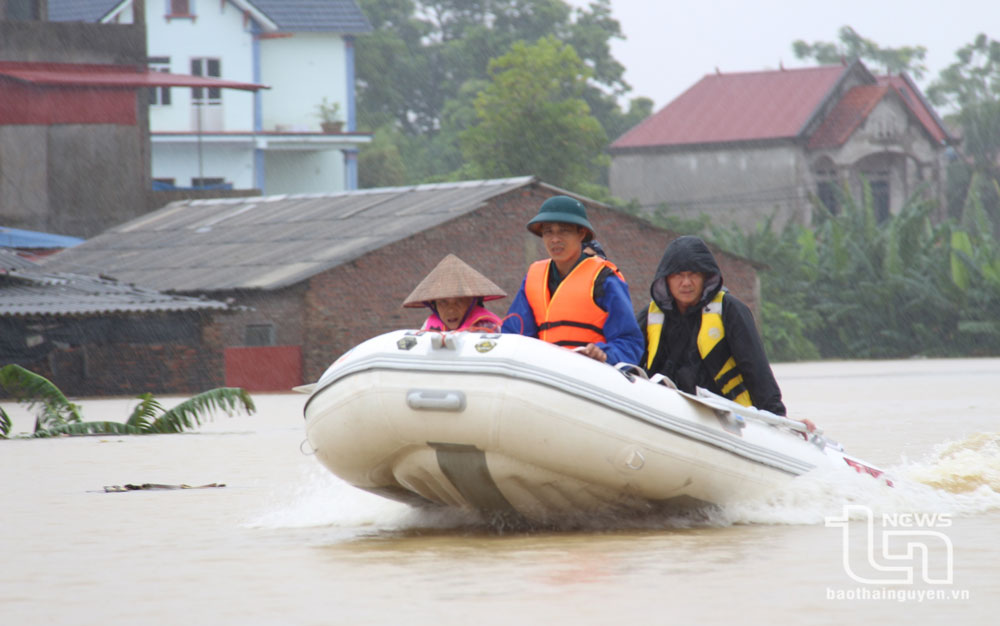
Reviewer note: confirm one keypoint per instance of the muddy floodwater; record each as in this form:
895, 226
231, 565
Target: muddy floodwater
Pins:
285, 542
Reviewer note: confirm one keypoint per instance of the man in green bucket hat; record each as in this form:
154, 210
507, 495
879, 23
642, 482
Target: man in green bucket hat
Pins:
573, 299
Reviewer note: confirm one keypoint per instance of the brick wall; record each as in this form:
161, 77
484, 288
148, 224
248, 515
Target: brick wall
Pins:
283, 308
363, 298
115, 368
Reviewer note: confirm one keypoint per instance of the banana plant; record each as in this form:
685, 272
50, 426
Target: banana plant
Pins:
52, 407
58, 416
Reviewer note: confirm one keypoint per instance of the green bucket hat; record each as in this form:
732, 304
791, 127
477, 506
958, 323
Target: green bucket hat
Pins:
561, 209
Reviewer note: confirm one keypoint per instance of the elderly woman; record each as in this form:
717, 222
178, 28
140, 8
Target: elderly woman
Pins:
454, 292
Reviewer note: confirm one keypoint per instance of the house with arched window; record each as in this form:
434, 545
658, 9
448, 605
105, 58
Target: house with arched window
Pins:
740, 147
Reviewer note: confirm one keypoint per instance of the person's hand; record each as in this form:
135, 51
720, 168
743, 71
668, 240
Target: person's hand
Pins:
593, 352
809, 424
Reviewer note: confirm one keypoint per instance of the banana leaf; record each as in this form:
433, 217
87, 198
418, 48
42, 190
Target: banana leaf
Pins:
25, 386
189, 413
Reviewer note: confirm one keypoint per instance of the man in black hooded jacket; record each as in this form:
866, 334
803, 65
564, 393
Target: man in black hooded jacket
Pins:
698, 334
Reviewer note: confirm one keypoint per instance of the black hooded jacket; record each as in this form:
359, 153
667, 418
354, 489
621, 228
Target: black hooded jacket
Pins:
677, 356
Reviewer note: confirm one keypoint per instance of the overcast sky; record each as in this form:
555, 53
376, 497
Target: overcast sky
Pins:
671, 44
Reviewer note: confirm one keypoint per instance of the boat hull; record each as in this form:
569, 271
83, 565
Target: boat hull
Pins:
511, 426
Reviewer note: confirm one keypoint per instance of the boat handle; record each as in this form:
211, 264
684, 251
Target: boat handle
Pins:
630, 371
435, 400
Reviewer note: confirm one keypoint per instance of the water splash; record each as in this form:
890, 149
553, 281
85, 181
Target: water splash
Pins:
323, 500
964, 466
960, 478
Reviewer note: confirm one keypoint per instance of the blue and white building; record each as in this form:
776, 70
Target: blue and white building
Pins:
271, 140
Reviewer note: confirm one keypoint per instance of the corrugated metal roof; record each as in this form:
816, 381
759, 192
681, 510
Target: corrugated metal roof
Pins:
19, 238
10, 260
269, 242
26, 290
737, 107
104, 75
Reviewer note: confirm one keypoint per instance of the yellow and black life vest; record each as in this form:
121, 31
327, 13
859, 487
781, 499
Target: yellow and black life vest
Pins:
715, 353
569, 317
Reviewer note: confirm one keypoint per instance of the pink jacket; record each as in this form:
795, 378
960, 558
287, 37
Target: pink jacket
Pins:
477, 316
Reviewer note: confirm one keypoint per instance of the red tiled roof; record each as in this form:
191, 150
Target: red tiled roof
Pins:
916, 103
93, 75
737, 107
845, 118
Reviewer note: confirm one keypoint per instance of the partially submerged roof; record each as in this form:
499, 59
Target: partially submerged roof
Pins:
28, 290
274, 241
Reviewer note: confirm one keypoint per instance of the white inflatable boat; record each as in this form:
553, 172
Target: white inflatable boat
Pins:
516, 428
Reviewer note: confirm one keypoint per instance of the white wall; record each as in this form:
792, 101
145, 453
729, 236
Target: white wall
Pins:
301, 70
181, 162
304, 172
740, 185
217, 32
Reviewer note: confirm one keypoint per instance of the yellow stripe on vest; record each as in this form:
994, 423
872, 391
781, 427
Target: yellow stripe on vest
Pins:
711, 333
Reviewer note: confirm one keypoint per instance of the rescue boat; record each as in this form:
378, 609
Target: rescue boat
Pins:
518, 429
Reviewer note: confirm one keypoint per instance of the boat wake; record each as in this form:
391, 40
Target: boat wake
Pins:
961, 478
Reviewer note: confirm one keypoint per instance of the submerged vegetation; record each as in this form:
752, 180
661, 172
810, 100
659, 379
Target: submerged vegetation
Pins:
56, 415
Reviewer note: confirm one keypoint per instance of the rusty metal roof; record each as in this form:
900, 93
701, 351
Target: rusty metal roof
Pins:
27, 290
273, 241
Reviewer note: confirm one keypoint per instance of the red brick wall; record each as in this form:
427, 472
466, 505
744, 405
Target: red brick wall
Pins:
363, 298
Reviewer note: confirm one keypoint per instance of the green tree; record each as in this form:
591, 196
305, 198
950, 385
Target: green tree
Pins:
421, 70
380, 163
971, 88
533, 119
908, 59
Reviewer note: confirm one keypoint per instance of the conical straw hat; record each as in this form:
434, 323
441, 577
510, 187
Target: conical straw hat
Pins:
453, 278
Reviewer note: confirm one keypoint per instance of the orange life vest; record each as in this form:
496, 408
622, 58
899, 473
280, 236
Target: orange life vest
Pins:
570, 317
